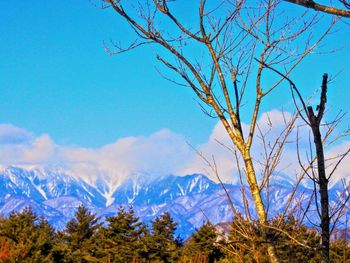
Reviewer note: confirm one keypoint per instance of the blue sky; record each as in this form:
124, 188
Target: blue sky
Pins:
56, 78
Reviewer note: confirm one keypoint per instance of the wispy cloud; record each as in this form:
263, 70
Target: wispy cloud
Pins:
163, 152
160, 153
10, 134
271, 125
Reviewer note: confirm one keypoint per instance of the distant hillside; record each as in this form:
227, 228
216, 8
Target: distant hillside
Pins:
191, 199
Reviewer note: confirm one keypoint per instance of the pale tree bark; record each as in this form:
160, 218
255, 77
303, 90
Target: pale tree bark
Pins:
324, 8
260, 207
236, 40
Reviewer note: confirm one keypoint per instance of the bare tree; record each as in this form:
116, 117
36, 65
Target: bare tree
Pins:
228, 35
329, 9
320, 178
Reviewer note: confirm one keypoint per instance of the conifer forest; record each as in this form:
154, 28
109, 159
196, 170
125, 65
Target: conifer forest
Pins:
25, 237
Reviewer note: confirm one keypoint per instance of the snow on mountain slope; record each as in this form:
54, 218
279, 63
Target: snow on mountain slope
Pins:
138, 191
191, 199
44, 184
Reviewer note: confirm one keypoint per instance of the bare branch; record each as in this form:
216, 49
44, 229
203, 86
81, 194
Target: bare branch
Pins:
322, 8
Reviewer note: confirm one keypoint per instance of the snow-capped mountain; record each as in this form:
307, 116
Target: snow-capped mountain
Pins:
191, 199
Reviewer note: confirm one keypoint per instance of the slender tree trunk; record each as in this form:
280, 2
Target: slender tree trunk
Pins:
322, 181
323, 184
259, 205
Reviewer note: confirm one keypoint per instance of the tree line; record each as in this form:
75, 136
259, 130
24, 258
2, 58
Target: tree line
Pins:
25, 237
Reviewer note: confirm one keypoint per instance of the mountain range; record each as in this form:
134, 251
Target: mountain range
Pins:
191, 199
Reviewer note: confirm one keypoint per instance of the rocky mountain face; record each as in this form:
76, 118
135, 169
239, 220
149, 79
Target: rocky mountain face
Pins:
191, 199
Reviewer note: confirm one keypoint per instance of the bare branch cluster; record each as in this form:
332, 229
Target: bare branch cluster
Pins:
220, 54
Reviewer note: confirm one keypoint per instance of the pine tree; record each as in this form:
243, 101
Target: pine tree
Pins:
78, 237
122, 239
45, 240
29, 239
291, 249
294, 242
162, 243
203, 245
340, 250
81, 228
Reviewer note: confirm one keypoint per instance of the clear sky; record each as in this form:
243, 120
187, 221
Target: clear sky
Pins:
56, 78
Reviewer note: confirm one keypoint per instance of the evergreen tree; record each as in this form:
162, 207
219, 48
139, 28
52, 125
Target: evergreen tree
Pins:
203, 245
78, 237
340, 250
45, 240
81, 228
162, 243
122, 239
29, 239
294, 242
291, 249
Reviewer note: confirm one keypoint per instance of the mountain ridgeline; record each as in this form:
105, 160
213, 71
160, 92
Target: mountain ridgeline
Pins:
191, 200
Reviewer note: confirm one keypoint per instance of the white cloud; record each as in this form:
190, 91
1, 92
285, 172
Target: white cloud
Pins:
271, 125
213, 150
219, 146
343, 170
26, 149
10, 134
163, 152
41, 150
